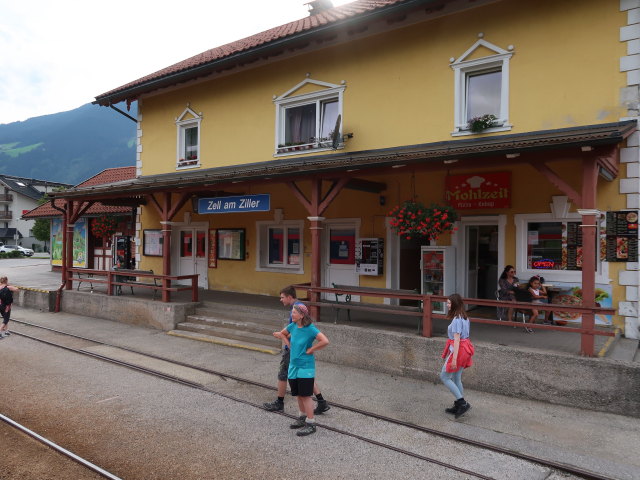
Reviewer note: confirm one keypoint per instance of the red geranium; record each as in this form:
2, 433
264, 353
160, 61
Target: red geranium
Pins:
412, 219
104, 226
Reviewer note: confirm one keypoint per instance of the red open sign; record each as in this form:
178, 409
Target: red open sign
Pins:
547, 264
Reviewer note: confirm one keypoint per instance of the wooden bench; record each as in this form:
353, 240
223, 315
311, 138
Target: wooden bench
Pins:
131, 281
80, 278
349, 305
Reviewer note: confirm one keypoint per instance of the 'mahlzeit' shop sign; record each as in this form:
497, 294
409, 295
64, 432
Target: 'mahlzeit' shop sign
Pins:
481, 190
239, 204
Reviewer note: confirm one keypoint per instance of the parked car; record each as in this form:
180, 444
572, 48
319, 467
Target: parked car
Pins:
10, 248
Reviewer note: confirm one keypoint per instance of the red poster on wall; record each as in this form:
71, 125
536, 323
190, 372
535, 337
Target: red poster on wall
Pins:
479, 190
213, 248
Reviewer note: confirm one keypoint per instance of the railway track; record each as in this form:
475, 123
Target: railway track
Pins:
556, 466
63, 451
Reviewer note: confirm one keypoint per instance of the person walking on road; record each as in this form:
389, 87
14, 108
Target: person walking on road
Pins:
300, 335
288, 298
458, 353
6, 300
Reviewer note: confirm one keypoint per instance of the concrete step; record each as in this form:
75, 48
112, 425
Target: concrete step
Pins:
232, 323
625, 349
272, 316
265, 339
224, 341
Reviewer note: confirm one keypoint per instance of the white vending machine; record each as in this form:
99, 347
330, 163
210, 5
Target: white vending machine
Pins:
438, 267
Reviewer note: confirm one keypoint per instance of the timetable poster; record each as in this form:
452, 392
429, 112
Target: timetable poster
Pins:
622, 236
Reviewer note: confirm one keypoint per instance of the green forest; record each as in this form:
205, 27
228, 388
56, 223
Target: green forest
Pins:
68, 147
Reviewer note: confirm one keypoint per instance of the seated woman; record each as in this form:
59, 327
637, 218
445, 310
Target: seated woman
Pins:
507, 282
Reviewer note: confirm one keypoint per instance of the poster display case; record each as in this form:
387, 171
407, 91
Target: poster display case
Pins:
370, 256
437, 267
622, 236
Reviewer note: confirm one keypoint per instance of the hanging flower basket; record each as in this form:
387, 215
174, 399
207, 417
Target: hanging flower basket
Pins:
104, 226
411, 220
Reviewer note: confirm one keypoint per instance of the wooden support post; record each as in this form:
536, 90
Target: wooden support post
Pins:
65, 273
427, 322
68, 253
166, 245
589, 227
166, 260
316, 231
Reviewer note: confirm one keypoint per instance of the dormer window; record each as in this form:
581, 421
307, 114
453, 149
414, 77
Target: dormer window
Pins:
481, 85
308, 121
188, 125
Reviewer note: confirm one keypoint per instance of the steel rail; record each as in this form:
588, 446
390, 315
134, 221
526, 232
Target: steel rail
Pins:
587, 474
58, 448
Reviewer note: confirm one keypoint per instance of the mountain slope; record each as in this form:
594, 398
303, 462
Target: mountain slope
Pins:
68, 147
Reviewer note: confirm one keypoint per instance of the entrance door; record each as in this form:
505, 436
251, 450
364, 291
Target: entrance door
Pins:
473, 266
481, 260
191, 253
340, 255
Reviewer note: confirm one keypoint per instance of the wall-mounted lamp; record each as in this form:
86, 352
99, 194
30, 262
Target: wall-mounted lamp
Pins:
397, 166
454, 160
513, 155
383, 200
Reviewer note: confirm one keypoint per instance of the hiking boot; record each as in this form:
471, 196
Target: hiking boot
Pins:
452, 410
462, 409
7, 333
308, 429
322, 407
300, 422
275, 406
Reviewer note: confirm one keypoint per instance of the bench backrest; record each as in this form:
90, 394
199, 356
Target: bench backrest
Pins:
523, 295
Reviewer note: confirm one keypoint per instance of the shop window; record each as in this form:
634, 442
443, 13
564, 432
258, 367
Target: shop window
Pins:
553, 248
481, 87
188, 125
280, 246
342, 246
186, 244
308, 121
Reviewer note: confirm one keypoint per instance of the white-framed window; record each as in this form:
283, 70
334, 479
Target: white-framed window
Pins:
552, 247
481, 87
280, 246
188, 154
309, 121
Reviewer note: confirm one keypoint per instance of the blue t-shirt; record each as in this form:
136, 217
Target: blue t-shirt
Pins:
458, 325
301, 364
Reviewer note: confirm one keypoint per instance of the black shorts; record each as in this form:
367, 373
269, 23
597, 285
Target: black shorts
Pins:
301, 386
283, 370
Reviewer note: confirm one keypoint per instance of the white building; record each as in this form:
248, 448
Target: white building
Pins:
18, 195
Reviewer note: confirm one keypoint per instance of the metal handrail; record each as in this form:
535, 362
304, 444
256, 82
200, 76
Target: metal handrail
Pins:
428, 315
164, 280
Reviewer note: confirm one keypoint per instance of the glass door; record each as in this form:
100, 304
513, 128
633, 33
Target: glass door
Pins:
192, 254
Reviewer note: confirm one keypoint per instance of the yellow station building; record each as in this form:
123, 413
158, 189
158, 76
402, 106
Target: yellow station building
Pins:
337, 118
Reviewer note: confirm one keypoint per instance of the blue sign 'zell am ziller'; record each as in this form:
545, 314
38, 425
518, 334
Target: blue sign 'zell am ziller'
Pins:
241, 203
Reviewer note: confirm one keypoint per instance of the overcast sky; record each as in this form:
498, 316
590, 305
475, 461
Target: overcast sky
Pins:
58, 55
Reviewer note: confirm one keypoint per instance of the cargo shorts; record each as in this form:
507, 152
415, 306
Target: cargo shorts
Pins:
283, 371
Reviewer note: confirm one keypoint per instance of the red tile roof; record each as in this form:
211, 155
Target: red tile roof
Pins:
110, 175
327, 17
